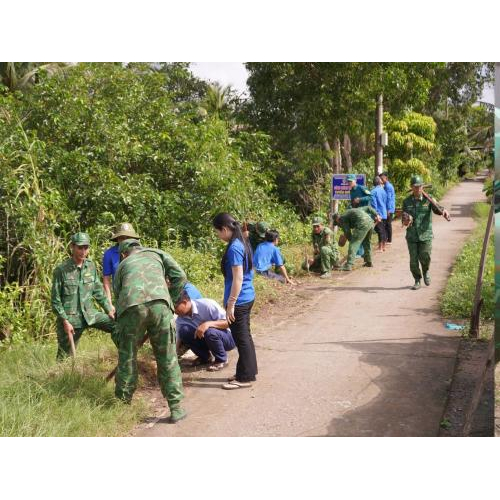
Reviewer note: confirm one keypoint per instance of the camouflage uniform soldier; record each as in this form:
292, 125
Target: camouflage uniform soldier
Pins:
357, 224
75, 285
326, 250
144, 304
360, 195
257, 233
417, 216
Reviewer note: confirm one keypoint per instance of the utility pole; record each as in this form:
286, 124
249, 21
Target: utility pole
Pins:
380, 138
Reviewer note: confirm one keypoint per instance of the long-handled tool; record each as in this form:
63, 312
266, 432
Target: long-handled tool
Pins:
72, 344
435, 205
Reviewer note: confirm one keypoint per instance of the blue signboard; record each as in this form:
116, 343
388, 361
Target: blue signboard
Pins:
340, 186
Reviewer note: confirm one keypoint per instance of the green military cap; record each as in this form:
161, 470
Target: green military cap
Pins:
351, 177
80, 239
317, 221
416, 180
126, 244
261, 228
124, 229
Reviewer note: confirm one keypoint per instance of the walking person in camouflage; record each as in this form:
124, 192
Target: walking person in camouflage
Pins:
75, 285
144, 305
326, 250
417, 217
357, 224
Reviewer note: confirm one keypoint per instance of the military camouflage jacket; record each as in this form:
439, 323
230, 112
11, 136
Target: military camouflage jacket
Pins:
421, 211
363, 193
141, 278
357, 218
74, 290
325, 238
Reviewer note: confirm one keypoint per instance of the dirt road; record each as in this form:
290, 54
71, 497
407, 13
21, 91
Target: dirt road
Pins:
366, 357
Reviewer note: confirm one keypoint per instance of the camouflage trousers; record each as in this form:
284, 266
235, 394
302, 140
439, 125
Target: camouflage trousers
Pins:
360, 238
155, 319
328, 257
420, 254
103, 322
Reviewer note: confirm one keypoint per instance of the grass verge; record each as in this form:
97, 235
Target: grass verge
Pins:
39, 397
458, 297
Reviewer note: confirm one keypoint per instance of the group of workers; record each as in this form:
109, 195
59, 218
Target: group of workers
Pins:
142, 287
375, 210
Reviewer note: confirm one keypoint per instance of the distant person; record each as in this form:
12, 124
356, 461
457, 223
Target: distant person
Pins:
256, 233
111, 258
268, 255
417, 217
360, 194
379, 203
391, 205
325, 248
205, 330
145, 305
75, 285
357, 224
239, 296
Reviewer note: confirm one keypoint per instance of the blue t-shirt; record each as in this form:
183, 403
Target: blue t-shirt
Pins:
391, 197
111, 261
234, 257
192, 291
379, 201
266, 254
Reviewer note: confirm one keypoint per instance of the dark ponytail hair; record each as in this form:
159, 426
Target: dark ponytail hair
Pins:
226, 220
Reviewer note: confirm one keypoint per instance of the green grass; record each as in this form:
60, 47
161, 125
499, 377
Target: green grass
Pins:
39, 397
459, 294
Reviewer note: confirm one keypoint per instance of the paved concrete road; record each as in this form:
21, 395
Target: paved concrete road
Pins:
367, 357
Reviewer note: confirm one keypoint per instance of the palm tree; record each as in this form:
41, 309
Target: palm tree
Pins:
21, 76
217, 99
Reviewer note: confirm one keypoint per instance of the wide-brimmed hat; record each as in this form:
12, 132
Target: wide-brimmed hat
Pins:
80, 239
124, 229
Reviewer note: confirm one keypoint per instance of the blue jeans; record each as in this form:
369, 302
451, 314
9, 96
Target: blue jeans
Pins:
215, 341
269, 273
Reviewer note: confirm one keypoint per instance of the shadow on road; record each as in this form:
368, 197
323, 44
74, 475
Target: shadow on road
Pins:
399, 409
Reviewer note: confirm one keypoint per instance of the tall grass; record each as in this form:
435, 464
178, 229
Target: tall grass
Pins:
39, 397
460, 289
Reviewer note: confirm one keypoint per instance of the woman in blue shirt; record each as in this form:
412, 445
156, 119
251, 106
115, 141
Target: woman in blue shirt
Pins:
239, 296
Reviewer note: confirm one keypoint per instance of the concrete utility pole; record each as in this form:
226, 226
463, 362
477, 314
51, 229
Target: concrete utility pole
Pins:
379, 127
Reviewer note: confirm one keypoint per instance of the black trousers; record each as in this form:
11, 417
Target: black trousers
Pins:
388, 227
380, 230
246, 367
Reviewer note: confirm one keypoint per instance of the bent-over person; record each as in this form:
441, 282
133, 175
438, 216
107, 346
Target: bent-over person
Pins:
144, 305
357, 224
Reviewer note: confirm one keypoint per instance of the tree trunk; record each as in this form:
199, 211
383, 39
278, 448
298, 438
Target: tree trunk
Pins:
347, 153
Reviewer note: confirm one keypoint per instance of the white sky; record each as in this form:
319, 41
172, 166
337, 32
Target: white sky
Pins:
230, 73
235, 74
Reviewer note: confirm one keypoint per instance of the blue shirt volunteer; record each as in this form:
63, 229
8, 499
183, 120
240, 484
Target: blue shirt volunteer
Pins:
391, 197
111, 261
234, 257
267, 254
379, 201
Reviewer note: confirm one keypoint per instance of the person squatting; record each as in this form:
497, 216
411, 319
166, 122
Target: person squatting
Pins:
145, 287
